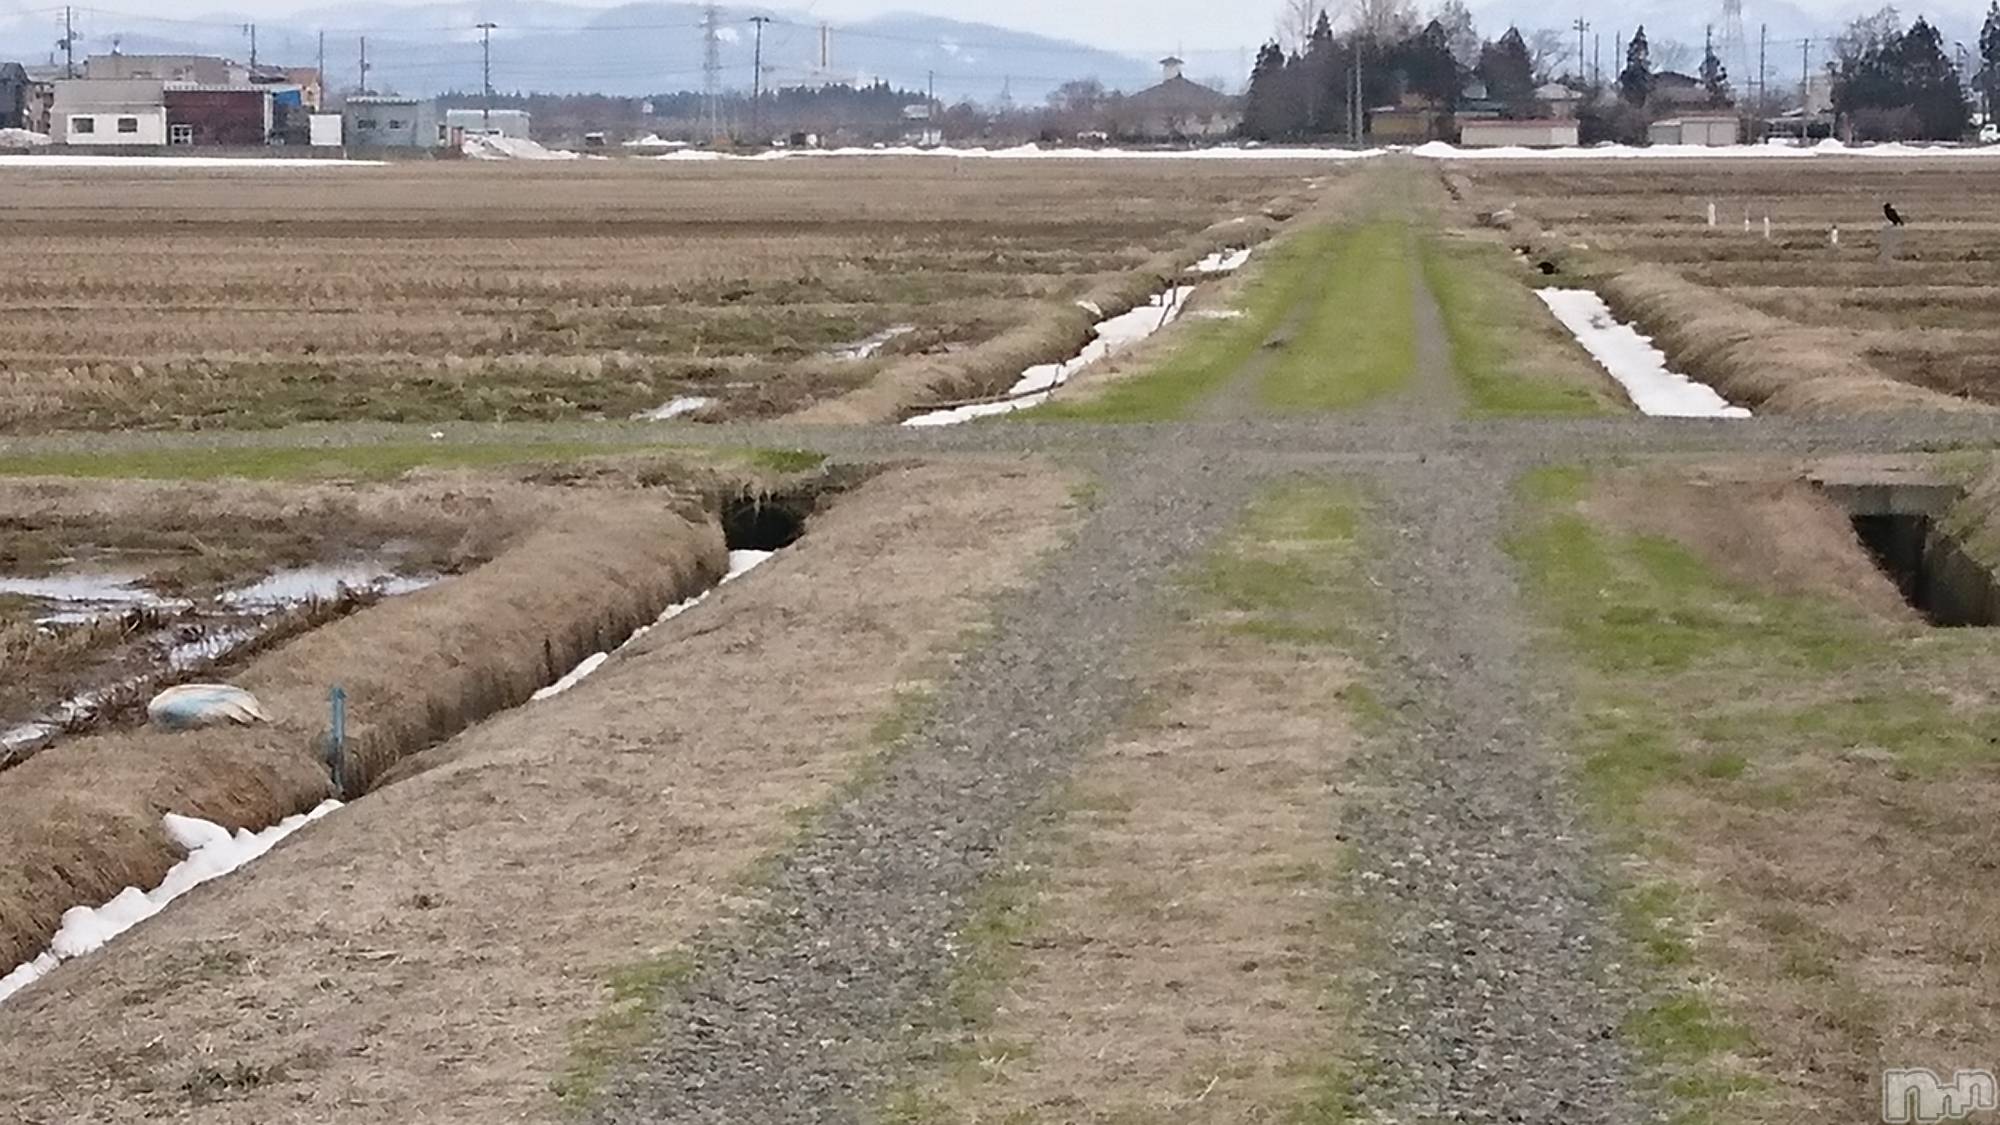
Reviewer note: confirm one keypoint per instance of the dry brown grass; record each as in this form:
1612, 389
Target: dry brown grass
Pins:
1056, 333
444, 948
81, 820
1800, 769
1793, 323
430, 292
1757, 359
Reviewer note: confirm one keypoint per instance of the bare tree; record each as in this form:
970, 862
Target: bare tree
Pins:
1460, 32
1295, 23
1672, 54
1385, 20
1550, 50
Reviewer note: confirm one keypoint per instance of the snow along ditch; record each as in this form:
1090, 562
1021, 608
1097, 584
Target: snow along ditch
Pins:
1038, 383
740, 564
1631, 359
212, 851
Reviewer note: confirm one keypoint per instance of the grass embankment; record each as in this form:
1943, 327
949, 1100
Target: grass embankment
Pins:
1509, 354
1345, 292
1166, 951
1798, 775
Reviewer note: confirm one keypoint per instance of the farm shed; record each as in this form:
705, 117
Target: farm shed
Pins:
97, 111
511, 123
1518, 134
218, 115
1714, 130
383, 121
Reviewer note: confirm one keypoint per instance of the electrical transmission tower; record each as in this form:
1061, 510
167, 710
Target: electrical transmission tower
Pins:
711, 69
1735, 54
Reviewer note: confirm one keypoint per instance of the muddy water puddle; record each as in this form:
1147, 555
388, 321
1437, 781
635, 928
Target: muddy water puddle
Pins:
91, 636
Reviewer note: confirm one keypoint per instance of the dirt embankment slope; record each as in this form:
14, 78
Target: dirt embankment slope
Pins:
431, 953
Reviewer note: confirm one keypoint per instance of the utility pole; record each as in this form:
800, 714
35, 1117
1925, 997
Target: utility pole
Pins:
68, 43
1805, 89
1763, 69
757, 79
364, 65
1358, 118
1597, 60
320, 74
1581, 26
250, 29
711, 69
486, 74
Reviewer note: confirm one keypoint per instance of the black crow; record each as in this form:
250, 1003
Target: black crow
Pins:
1889, 212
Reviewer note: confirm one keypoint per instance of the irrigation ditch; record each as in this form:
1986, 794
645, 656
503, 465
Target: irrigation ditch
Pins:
90, 820
918, 384
1753, 359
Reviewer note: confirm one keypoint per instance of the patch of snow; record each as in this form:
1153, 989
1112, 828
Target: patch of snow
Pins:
245, 163
866, 348
740, 564
674, 408
1039, 382
1633, 361
654, 140
1218, 314
513, 148
299, 585
1223, 261
212, 852
1036, 152
1439, 150
23, 138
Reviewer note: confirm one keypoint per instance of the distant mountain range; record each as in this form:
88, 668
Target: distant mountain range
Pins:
635, 49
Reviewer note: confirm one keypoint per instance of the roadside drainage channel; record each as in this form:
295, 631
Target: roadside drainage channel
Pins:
1901, 524
755, 528
1631, 359
1038, 384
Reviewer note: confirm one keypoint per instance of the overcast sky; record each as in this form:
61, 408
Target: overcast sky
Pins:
1144, 27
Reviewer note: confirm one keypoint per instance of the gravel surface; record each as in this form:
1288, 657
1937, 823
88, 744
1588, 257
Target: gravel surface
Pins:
1489, 997
802, 1015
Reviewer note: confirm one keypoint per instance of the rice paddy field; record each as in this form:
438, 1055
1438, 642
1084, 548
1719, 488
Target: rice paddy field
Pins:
158, 299
1925, 314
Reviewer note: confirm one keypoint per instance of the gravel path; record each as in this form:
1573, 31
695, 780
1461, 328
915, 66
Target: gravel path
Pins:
802, 1015
1489, 1001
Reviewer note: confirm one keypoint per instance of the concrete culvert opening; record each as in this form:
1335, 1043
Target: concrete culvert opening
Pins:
762, 523
1901, 525
1935, 574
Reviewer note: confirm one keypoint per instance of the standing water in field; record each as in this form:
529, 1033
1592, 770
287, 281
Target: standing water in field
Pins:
1633, 361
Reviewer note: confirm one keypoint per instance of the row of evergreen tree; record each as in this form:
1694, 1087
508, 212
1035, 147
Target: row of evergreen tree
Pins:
1888, 81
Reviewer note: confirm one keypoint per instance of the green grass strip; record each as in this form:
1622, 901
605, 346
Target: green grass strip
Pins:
1210, 352
1485, 312
1358, 342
